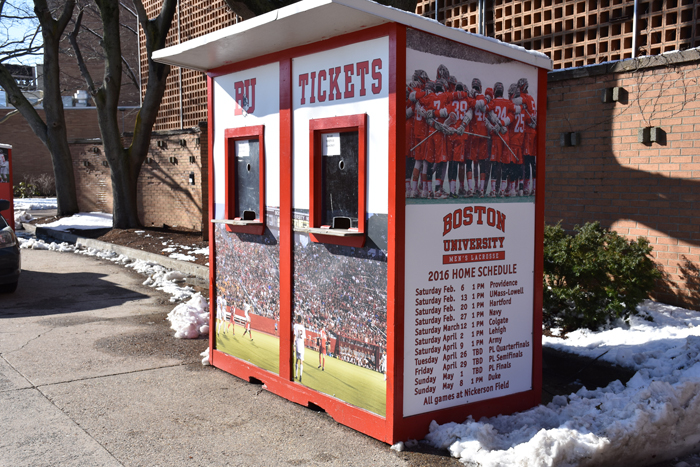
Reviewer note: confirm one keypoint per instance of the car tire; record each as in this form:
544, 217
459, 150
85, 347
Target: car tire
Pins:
8, 288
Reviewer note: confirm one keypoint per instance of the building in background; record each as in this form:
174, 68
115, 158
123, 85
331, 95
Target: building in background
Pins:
575, 33
31, 158
184, 103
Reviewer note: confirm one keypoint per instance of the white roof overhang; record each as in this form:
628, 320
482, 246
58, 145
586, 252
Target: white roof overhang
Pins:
310, 21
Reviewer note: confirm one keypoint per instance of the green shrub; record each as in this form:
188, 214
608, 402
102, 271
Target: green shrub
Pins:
25, 190
594, 277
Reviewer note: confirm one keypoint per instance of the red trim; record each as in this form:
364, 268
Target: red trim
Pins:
212, 241
286, 234
7, 193
330, 43
337, 124
359, 419
396, 230
539, 236
232, 135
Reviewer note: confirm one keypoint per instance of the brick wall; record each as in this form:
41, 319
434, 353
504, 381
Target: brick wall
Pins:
166, 195
30, 156
637, 189
185, 101
574, 33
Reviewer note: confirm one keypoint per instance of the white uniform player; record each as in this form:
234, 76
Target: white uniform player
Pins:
220, 313
247, 322
299, 338
382, 365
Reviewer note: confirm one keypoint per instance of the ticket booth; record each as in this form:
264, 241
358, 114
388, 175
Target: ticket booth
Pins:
6, 191
376, 205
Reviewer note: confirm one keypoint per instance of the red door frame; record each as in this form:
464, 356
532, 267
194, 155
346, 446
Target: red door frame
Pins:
232, 135
394, 426
337, 124
8, 193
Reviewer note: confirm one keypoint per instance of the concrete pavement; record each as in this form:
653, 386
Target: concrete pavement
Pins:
90, 375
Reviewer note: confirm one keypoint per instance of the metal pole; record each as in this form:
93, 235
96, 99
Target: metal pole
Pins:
179, 41
482, 17
634, 29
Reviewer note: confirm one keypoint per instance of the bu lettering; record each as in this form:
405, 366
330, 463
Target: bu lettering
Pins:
244, 94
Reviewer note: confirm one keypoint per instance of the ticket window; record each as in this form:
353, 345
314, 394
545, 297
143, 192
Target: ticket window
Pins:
245, 180
338, 180
339, 163
246, 200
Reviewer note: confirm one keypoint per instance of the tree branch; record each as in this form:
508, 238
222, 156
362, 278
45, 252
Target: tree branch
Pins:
129, 70
66, 15
111, 45
141, 13
131, 74
22, 104
73, 38
165, 19
129, 28
156, 31
126, 7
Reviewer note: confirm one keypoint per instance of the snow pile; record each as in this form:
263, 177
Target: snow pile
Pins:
191, 319
34, 204
173, 248
108, 255
82, 221
163, 279
158, 276
653, 418
21, 217
34, 244
630, 345
205, 357
181, 257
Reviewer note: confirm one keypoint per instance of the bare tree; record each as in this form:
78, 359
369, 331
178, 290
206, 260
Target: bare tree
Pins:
52, 132
125, 162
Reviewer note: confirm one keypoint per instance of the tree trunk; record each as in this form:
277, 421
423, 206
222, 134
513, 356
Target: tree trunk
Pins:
124, 191
56, 136
125, 164
52, 132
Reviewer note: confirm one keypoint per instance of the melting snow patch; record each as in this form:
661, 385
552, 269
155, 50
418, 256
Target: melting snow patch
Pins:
205, 357
158, 276
181, 257
34, 204
191, 319
82, 221
398, 447
651, 419
20, 217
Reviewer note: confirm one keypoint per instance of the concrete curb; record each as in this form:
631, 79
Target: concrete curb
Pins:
200, 272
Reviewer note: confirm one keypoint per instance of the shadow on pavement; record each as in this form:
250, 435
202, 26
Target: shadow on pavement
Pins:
47, 293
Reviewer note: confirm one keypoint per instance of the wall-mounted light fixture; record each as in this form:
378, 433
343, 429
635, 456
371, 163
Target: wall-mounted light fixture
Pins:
570, 139
615, 94
651, 134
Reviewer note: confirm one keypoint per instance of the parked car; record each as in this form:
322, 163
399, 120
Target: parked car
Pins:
10, 261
